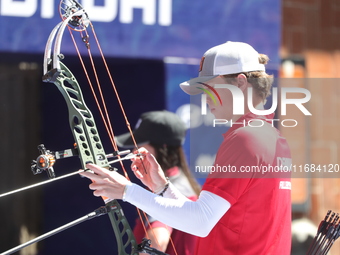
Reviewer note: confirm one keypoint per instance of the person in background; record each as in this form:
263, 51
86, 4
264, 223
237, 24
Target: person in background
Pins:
162, 133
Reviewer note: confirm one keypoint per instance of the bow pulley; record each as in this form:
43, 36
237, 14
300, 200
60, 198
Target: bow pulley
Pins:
67, 9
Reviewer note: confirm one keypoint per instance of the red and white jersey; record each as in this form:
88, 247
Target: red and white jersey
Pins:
259, 219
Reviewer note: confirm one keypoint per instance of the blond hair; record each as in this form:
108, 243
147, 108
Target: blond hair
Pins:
260, 80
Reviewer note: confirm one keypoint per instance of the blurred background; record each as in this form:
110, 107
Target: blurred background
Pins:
150, 47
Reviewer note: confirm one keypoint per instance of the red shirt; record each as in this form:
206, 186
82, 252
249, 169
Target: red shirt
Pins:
259, 219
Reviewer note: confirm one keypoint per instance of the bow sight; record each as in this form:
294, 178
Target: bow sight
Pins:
47, 158
44, 162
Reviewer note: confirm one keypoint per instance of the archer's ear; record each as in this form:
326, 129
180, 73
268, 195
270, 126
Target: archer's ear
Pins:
242, 82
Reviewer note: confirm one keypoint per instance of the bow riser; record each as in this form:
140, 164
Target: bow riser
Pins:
81, 120
90, 149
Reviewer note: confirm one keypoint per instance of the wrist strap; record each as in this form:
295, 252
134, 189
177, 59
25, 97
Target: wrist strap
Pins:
165, 187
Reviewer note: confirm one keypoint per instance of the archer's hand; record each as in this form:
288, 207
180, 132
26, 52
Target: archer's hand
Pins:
147, 169
106, 183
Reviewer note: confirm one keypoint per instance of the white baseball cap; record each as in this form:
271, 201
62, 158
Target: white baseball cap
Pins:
226, 58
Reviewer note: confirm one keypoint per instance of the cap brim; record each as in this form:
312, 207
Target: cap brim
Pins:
125, 140
192, 87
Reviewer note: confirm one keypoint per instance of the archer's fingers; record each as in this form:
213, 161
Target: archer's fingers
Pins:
105, 191
136, 171
98, 170
147, 156
89, 175
96, 186
97, 192
141, 151
135, 165
97, 174
151, 158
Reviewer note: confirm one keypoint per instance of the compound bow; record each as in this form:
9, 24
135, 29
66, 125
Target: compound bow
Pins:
88, 145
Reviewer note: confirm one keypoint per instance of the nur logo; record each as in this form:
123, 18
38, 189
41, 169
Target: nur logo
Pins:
239, 100
204, 97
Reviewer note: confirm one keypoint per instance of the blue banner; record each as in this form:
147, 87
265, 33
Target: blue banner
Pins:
147, 28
